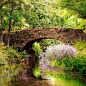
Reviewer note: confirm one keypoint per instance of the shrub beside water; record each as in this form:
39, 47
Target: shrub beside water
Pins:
56, 53
80, 61
62, 57
36, 47
14, 55
11, 55
60, 51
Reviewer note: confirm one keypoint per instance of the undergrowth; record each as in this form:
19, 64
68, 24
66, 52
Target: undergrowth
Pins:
11, 55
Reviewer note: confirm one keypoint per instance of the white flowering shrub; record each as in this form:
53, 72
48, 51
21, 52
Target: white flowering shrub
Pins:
60, 51
55, 52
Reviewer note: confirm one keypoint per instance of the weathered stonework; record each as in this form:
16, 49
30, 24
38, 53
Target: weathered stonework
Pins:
23, 37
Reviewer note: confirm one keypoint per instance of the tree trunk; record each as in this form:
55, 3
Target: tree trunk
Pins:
1, 39
10, 23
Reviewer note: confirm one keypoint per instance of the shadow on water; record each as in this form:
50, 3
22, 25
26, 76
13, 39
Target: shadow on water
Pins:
20, 75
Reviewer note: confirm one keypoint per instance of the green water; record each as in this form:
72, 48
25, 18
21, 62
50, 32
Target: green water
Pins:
17, 75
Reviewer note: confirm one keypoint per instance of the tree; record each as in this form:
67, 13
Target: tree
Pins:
1, 18
42, 14
13, 8
1, 39
10, 23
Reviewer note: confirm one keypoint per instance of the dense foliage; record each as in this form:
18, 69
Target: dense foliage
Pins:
79, 6
11, 55
55, 54
44, 13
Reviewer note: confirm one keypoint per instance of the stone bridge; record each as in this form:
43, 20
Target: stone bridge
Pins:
21, 39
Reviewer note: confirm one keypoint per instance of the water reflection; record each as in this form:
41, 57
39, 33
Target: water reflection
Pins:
65, 82
20, 75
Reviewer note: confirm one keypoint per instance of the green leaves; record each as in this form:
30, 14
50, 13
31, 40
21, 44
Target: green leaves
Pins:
36, 48
42, 13
76, 5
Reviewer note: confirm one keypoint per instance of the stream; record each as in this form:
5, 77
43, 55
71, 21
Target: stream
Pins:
20, 75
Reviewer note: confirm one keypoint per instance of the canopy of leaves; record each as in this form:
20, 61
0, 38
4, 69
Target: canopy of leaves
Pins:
44, 13
78, 6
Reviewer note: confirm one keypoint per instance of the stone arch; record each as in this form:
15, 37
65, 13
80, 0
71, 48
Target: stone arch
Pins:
31, 41
28, 46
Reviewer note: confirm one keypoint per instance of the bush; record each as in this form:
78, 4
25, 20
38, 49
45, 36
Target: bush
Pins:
14, 55
37, 72
64, 57
56, 54
80, 61
11, 55
36, 48
79, 64
60, 51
